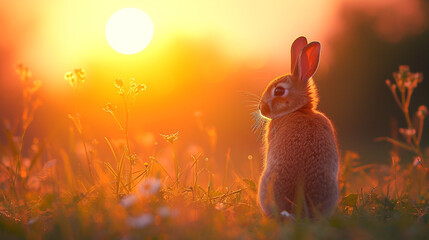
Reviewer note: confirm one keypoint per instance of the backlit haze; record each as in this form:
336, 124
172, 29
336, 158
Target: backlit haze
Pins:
203, 60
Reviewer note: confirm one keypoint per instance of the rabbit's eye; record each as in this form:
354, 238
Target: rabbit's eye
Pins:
279, 91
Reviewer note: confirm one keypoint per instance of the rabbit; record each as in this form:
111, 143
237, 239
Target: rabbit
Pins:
301, 152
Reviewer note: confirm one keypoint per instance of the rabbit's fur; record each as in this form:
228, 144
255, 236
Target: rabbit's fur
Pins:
301, 162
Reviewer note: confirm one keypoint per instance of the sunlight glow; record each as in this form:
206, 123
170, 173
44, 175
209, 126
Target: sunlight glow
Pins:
129, 30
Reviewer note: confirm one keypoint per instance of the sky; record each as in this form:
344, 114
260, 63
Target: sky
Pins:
63, 34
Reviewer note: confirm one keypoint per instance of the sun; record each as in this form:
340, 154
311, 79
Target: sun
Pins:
129, 30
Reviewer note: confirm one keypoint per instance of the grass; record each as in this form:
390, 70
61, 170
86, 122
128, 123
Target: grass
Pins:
123, 197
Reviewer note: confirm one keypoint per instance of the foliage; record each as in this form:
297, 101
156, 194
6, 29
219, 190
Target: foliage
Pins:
405, 83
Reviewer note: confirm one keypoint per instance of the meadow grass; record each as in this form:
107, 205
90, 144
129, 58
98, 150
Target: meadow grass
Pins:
122, 197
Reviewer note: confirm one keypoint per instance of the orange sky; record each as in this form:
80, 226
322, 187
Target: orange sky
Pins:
56, 36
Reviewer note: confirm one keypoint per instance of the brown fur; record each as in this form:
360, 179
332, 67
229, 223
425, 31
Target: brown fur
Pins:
301, 148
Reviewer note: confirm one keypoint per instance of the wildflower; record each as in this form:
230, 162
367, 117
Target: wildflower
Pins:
121, 92
36, 86
171, 138
110, 108
140, 221
129, 200
403, 73
70, 78
400, 83
132, 82
75, 78
408, 84
68, 75
422, 111
23, 71
80, 73
404, 78
250, 157
133, 158
219, 206
50, 163
146, 165
388, 82
149, 187
33, 220
407, 132
417, 161
413, 80
164, 211
417, 78
139, 88
119, 83
285, 214
404, 69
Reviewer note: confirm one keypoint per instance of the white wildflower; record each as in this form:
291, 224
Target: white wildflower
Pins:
33, 220
140, 221
129, 200
164, 211
50, 163
417, 161
219, 206
285, 214
149, 187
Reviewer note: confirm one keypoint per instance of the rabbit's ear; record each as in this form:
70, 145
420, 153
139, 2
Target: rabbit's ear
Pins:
308, 61
295, 50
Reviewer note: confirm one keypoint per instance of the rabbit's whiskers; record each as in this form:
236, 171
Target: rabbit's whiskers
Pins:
258, 124
259, 121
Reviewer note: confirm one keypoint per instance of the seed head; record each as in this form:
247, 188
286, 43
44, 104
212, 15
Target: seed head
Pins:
80, 74
75, 78
407, 132
139, 88
110, 108
171, 138
23, 71
388, 82
422, 111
